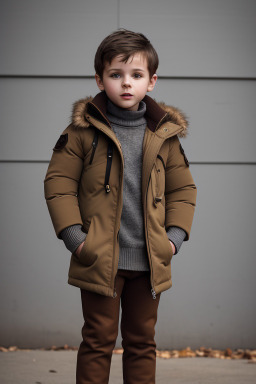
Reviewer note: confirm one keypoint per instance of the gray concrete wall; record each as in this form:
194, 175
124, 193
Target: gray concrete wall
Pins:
208, 69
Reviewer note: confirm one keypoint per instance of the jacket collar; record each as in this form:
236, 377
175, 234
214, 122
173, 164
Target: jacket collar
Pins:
156, 113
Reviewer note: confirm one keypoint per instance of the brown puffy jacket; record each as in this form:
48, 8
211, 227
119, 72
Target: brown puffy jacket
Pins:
84, 185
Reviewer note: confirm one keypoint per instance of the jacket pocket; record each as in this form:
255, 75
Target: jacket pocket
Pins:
159, 178
86, 257
170, 247
158, 184
158, 212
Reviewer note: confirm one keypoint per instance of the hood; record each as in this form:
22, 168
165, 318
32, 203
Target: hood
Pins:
156, 111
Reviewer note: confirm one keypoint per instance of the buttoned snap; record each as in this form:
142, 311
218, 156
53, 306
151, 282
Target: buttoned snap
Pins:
165, 129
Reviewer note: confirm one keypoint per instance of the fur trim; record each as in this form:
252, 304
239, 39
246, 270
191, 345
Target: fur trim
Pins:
174, 115
78, 113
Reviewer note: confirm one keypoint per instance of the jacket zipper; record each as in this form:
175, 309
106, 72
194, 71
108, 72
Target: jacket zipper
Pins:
153, 292
117, 238
115, 293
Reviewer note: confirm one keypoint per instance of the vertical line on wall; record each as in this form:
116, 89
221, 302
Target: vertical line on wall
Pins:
118, 13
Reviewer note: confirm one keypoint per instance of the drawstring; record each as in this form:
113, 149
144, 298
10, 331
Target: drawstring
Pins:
109, 158
109, 163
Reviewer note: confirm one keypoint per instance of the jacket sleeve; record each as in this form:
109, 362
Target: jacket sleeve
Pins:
62, 181
180, 189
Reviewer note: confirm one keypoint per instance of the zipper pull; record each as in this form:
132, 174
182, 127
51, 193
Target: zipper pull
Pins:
153, 293
107, 188
115, 293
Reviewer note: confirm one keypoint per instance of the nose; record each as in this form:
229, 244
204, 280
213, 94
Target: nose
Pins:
126, 82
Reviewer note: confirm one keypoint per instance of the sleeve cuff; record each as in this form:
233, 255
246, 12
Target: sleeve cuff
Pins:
177, 236
73, 236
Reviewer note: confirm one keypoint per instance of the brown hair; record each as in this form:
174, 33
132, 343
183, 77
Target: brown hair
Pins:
125, 43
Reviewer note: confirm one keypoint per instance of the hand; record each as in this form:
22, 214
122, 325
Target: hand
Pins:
173, 247
78, 250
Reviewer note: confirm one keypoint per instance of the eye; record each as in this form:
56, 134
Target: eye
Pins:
115, 75
137, 75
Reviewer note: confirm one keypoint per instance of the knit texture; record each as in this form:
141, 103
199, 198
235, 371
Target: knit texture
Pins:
177, 236
73, 236
129, 127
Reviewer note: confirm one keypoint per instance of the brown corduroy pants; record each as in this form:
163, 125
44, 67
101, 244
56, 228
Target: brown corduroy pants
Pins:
101, 318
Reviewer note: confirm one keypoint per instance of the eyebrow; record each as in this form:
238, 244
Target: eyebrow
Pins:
118, 69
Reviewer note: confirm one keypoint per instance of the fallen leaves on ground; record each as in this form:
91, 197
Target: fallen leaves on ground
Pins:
228, 353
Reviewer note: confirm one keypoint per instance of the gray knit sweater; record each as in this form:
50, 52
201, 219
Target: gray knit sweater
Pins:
129, 127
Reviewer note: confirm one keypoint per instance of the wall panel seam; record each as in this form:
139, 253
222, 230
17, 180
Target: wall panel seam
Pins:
89, 77
191, 162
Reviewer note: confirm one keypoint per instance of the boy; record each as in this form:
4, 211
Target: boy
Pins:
121, 196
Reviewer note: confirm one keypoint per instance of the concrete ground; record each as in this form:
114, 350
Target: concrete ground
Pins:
58, 367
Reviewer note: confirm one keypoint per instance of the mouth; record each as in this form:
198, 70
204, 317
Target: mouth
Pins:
126, 95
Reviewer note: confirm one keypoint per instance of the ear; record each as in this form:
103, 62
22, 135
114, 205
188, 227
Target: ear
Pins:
152, 82
99, 82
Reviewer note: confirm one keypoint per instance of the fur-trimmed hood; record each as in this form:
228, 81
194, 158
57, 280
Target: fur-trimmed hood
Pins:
169, 113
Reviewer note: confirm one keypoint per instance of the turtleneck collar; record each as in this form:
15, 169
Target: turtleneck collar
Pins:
124, 117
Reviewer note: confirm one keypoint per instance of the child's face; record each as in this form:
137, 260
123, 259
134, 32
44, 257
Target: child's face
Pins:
126, 84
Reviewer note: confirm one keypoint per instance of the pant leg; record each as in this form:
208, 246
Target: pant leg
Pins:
139, 316
100, 330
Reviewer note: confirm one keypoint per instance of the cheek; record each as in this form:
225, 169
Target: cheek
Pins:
110, 86
143, 87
